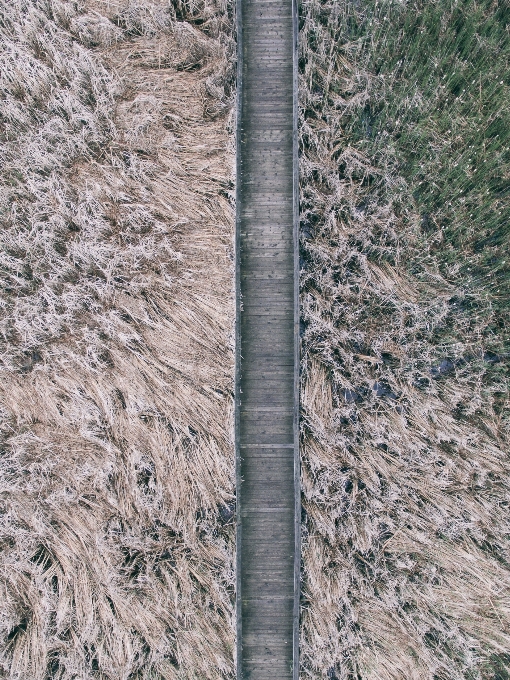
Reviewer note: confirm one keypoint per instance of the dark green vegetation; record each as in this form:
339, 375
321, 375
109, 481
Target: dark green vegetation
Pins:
405, 143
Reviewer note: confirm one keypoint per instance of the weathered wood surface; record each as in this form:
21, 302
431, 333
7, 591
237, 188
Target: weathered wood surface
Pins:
266, 400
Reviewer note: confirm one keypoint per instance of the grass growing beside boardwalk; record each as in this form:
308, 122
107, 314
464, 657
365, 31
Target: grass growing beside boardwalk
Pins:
116, 361
405, 173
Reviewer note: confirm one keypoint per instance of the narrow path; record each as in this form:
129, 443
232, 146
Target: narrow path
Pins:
267, 359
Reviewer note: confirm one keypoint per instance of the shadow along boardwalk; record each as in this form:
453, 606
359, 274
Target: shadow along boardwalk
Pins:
267, 360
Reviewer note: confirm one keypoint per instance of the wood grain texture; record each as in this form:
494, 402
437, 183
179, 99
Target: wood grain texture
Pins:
266, 381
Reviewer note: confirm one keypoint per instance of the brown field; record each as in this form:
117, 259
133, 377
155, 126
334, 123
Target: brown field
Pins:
117, 466
405, 401
117, 498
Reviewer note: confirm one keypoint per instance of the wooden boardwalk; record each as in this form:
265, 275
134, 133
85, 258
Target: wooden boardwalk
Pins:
267, 343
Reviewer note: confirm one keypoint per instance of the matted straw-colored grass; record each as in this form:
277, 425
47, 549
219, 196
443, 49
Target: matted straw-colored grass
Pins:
404, 135
116, 361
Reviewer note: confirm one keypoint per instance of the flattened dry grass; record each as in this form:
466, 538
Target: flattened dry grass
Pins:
116, 316
404, 136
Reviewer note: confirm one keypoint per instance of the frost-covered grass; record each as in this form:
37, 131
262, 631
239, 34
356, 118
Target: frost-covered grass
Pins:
116, 313
405, 138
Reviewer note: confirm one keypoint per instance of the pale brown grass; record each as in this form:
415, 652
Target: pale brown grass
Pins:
117, 468
404, 411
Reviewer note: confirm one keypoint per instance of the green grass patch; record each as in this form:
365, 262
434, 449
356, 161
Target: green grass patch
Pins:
438, 116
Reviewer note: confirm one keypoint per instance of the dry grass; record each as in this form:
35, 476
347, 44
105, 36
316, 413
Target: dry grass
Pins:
116, 467
405, 419
116, 315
